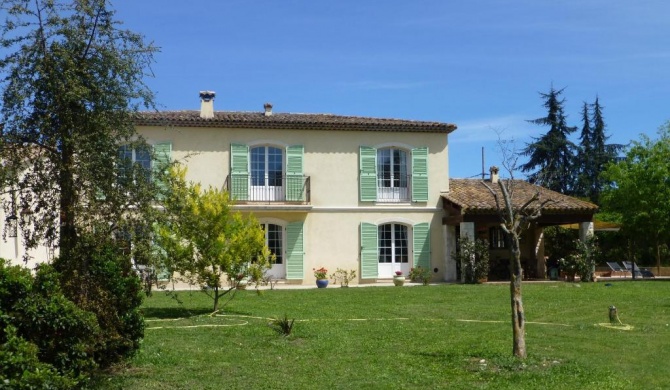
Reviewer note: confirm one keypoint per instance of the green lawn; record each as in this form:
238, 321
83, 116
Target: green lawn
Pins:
444, 336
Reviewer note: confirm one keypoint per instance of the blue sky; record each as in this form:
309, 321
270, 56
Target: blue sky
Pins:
479, 64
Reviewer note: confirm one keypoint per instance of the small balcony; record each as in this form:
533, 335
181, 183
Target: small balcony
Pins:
394, 188
277, 189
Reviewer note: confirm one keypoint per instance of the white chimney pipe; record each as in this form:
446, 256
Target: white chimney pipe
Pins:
268, 109
494, 174
207, 104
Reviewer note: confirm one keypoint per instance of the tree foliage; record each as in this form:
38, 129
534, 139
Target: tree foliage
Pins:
550, 156
593, 152
70, 85
640, 191
204, 240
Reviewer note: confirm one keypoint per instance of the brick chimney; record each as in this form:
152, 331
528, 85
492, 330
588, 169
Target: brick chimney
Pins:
494, 174
268, 109
207, 104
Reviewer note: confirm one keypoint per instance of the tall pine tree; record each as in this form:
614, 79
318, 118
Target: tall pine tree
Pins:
594, 152
584, 158
550, 156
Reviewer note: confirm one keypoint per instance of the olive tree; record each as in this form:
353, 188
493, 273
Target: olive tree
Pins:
516, 213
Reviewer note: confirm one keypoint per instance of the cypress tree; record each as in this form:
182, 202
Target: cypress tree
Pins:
584, 158
594, 152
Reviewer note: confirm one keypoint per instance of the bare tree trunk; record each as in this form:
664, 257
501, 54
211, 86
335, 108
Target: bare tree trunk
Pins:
68, 232
518, 316
216, 299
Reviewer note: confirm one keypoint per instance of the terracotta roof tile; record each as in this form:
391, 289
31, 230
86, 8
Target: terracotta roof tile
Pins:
472, 197
258, 120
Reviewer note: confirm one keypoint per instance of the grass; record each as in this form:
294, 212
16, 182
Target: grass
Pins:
409, 337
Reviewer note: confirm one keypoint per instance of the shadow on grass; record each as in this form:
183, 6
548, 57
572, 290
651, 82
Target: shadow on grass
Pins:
173, 312
182, 312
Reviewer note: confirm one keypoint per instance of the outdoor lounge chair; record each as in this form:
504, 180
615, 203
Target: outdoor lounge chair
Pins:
616, 269
639, 272
632, 267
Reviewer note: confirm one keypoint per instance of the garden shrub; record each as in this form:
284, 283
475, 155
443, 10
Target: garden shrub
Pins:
99, 278
15, 284
47, 342
473, 257
64, 333
20, 367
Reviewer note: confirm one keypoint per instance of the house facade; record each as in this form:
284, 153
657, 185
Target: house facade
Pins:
330, 191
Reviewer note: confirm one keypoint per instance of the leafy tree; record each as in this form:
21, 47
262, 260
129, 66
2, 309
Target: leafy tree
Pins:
640, 191
204, 240
71, 84
70, 88
550, 156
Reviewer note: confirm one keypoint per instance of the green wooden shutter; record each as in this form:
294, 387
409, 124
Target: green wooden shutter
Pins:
421, 244
420, 174
295, 189
160, 163
368, 174
369, 251
239, 171
295, 255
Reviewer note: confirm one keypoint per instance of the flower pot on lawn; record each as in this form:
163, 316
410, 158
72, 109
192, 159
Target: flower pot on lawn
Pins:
398, 280
322, 283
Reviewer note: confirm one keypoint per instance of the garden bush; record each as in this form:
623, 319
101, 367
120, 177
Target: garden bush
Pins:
20, 367
47, 340
99, 278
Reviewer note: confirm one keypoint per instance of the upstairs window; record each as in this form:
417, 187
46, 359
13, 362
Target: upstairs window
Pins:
267, 173
393, 174
392, 177
267, 170
130, 157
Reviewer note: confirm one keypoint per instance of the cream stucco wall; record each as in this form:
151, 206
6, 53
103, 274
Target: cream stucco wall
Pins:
331, 157
331, 160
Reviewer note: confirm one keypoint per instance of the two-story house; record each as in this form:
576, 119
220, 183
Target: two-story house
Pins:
330, 191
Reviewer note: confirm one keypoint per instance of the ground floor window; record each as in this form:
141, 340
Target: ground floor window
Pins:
393, 243
274, 239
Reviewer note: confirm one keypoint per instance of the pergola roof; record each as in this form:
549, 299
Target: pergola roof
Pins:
470, 200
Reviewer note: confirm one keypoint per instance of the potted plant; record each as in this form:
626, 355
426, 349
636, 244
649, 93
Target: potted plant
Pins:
242, 281
398, 279
420, 275
321, 276
343, 276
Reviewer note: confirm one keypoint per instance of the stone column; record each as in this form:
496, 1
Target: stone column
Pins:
539, 252
585, 230
467, 230
449, 247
